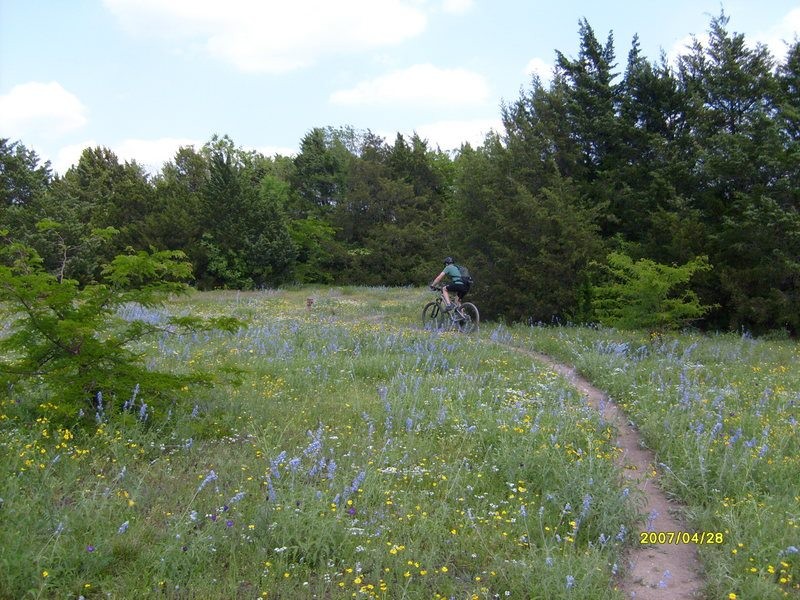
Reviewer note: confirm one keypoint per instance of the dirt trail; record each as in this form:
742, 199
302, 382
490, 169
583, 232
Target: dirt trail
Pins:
661, 572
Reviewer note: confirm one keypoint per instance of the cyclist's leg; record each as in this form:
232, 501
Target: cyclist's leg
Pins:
460, 291
447, 304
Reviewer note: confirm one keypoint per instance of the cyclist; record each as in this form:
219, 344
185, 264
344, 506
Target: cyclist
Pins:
456, 284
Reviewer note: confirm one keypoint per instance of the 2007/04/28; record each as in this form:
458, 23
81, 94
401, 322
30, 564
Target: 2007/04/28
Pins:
681, 537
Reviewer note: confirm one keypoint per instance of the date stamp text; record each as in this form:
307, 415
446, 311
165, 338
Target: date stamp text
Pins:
681, 537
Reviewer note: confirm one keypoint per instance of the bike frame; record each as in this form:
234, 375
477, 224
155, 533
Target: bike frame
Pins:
464, 321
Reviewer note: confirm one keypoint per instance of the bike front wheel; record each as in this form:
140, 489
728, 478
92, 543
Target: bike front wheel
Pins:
432, 317
468, 318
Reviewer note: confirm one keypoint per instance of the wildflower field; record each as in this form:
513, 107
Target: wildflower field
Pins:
721, 413
352, 454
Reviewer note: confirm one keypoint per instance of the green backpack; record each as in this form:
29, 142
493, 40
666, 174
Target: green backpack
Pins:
466, 278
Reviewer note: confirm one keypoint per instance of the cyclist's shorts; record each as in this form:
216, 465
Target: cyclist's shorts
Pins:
459, 288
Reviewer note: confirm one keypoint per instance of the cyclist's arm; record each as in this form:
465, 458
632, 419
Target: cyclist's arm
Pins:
438, 278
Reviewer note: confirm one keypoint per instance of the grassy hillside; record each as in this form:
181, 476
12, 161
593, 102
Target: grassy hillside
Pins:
721, 413
355, 455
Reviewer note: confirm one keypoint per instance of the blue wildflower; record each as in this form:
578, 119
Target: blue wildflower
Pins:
129, 403
275, 463
620, 537
651, 518
209, 478
736, 435
353, 487
587, 502
316, 443
383, 392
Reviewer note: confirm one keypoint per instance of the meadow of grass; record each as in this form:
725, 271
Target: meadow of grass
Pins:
721, 414
355, 456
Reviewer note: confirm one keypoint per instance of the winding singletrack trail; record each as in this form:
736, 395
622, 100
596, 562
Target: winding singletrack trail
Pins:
661, 572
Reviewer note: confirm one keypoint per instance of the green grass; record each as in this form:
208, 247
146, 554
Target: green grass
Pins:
721, 413
357, 456
361, 457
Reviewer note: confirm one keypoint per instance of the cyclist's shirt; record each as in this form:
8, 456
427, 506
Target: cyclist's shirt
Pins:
454, 274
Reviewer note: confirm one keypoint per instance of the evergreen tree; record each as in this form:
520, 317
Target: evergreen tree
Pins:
741, 179
24, 181
529, 248
178, 219
272, 251
591, 98
788, 122
648, 207
730, 88
23, 178
318, 178
246, 236
98, 193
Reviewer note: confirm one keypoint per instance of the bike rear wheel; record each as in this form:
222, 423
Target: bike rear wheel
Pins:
467, 318
433, 317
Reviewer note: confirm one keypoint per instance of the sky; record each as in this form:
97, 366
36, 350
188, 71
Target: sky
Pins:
144, 77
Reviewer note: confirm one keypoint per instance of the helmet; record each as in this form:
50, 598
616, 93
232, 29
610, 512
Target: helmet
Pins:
448, 261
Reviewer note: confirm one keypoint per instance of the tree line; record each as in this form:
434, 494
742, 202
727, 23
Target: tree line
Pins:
661, 163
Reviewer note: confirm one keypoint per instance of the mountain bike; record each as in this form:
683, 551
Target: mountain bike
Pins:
464, 317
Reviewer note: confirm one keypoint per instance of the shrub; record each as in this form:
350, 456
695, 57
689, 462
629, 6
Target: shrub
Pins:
71, 339
648, 295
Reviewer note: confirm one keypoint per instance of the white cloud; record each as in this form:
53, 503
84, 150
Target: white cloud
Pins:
684, 45
40, 109
450, 135
541, 68
274, 35
151, 154
425, 85
67, 156
778, 38
271, 151
457, 7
